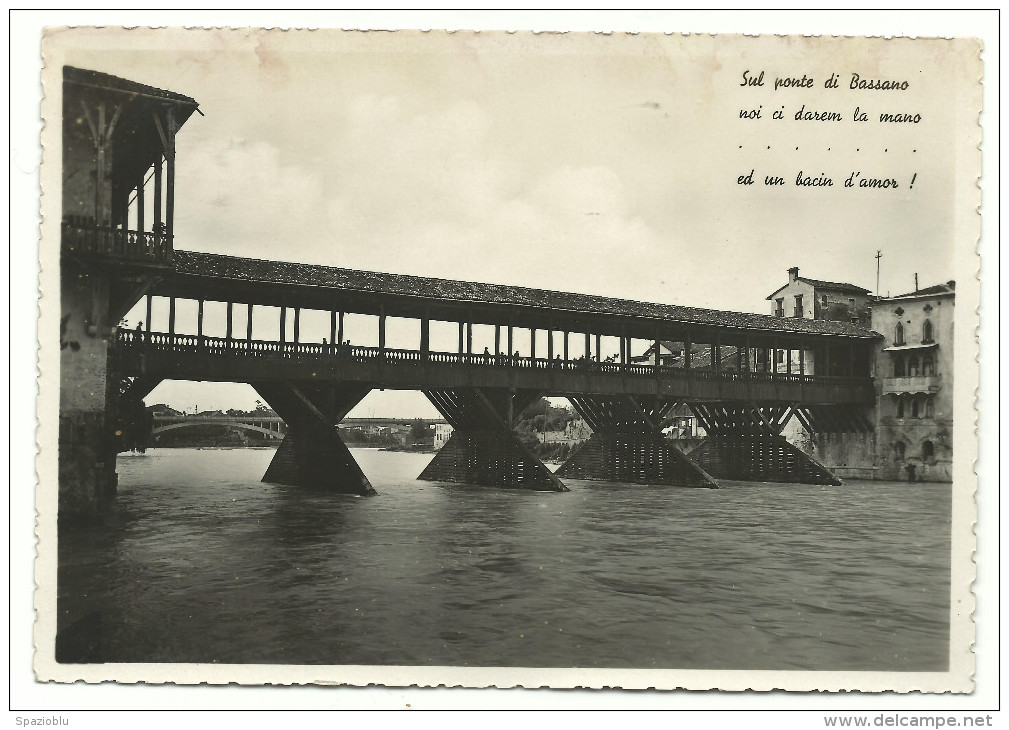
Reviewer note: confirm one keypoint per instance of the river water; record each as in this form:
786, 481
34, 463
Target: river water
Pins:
203, 562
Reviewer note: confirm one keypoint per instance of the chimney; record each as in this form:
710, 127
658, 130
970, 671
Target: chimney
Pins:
793, 273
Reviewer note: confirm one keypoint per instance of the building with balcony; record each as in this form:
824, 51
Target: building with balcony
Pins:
817, 299
914, 381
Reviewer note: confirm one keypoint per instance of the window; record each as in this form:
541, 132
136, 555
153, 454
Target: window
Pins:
926, 331
898, 450
898, 334
912, 366
900, 407
779, 356
779, 307
928, 364
914, 408
798, 306
927, 451
898, 366
929, 408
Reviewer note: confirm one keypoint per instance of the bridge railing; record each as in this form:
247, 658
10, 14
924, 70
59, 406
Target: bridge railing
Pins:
188, 343
142, 245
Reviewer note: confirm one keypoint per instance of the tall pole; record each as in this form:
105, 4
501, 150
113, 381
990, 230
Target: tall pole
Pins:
879, 255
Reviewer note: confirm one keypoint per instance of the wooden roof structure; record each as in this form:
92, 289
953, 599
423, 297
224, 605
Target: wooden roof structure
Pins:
217, 277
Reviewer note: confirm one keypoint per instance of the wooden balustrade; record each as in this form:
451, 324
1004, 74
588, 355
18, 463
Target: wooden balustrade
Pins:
164, 342
143, 245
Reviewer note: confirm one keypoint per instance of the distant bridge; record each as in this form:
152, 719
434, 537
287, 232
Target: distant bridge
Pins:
272, 426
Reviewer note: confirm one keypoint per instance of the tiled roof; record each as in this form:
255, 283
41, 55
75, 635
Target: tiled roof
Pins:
948, 288
234, 268
835, 285
108, 81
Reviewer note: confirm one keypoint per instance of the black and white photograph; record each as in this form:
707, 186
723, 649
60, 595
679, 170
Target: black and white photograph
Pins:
418, 358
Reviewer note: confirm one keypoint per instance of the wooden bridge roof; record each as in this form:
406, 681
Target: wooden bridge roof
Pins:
274, 283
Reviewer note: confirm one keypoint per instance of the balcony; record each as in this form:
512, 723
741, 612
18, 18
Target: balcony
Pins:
911, 384
117, 243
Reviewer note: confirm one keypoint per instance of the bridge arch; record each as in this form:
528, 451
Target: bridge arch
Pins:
212, 422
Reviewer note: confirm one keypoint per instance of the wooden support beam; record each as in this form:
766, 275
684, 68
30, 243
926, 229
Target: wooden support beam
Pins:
248, 324
511, 342
802, 359
147, 318
332, 331
230, 323
339, 331
381, 334
588, 345
283, 325
566, 350
497, 340
462, 335
550, 345
297, 325
469, 336
425, 337
199, 322
532, 343
599, 357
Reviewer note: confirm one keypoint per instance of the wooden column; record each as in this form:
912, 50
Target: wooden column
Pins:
248, 325
297, 325
381, 333
283, 325
788, 360
716, 353
566, 351
599, 343
147, 319
802, 359
171, 320
170, 175
550, 345
140, 208
158, 194
588, 346
497, 340
462, 335
199, 322
229, 327
511, 343
332, 331
773, 362
339, 331
532, 343
425, 338
469, 339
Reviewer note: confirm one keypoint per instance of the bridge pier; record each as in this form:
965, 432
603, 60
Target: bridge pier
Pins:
745, 443
312, 453
483, 449
627, 445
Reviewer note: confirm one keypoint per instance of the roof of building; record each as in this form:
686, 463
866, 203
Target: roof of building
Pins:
938, 289
98, 79
821, 284
238, 269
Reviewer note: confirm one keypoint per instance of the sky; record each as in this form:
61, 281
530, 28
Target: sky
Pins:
591, 163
